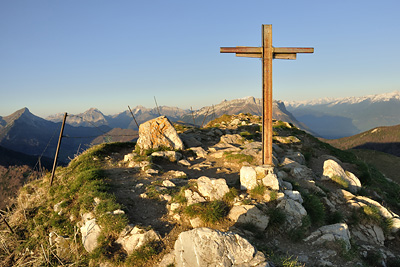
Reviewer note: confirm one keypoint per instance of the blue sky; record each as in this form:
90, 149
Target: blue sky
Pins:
68, 56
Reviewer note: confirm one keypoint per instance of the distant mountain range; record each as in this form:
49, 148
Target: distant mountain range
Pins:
329, 118
94, 117
26, 133
336, 118
124, 120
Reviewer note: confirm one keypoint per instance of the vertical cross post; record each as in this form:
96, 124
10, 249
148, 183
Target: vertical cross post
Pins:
267, 56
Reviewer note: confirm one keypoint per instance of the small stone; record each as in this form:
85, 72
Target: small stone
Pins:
168, 183
115, 212
184, 162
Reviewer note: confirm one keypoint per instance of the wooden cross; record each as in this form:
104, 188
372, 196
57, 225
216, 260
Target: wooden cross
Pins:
267, 52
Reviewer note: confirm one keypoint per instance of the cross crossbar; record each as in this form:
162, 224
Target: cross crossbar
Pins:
267, 52
259, 50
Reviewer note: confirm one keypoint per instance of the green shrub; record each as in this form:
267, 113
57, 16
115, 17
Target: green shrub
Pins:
335, 217
276, 217
315, 209
258, 191
230, 196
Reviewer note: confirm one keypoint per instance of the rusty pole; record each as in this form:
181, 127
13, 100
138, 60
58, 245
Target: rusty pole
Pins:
58, 149
133, 117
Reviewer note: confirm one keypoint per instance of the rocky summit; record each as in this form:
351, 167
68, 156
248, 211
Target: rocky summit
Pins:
189, 196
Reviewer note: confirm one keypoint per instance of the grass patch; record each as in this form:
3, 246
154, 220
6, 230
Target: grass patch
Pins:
80, 187
258, 192
230, 196
144, 254
341, 181
238, 157
209, 212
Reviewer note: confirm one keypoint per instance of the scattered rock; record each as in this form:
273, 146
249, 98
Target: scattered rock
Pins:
369, 233
132, 238
248, 178
168, 183
329, 233
193, 197
129, 157
214, 189
249, 214
64, 248
172, 156
199, 151
333, 171
232, 139
294, 210
184, 162
158, 133
295, 195
207, 247
271, 181
90, 231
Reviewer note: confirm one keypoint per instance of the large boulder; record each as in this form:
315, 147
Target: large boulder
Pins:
214, 189
132, 238
333, 171
90, 231
158, 133
207, 247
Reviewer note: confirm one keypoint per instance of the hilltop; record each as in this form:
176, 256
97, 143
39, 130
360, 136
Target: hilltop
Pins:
120, 205
384, 139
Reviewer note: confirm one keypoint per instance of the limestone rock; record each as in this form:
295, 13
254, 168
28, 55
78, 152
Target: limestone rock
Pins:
129, 157
249, 214
329, 233
248, 178
190, 141
295, 195
90, 231
232, 139
332, 169
302, 172
294, 210
207, 247
193, 197
184, 162
271, 181
172, 156
64, 249
132, 238
214, 189
287, 139
372, 234
157, 133
168, 183
296, 156
199, 151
